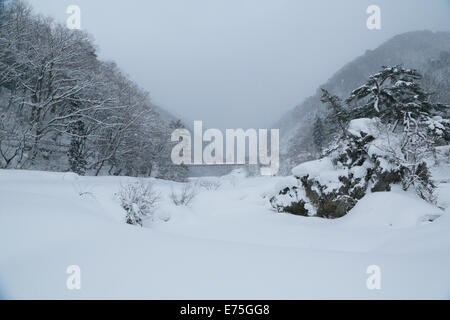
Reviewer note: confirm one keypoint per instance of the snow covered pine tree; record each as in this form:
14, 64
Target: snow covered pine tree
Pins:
387, 131
404, 108
318, 134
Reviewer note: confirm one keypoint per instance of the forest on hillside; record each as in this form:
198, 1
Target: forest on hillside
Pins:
63, 109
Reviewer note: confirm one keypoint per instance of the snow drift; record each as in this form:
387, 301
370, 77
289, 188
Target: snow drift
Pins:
228, 244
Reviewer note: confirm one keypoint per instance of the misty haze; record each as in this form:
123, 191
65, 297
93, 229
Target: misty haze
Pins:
212, 149
240, 63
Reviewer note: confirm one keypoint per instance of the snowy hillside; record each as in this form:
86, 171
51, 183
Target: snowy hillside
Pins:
228, 243
425, 51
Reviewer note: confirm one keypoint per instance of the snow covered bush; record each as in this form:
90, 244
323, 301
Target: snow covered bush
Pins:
209, 184
185, 196
139, 201
290, 200
392, 142
369, 158
401, 157
334, 184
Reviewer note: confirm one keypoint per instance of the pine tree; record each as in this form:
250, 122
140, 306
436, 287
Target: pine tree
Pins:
339, 116
395, 96
2, 7
176, 124
318, 134
167, 170
2, 13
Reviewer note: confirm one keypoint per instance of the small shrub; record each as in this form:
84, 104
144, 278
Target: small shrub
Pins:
210, 185
185, 196
139, 200
297, 208
288, 200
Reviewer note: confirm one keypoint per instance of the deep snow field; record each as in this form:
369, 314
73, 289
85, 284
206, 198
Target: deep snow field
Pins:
228, 244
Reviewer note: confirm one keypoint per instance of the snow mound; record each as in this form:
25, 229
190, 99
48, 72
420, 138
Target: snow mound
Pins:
390, 209
313, 168
366, 125
70, 176
282, 183
208, 251
321, 170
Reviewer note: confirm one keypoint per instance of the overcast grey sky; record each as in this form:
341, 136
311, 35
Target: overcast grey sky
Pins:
240, 63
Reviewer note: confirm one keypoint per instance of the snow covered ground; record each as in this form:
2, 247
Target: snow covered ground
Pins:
228, 244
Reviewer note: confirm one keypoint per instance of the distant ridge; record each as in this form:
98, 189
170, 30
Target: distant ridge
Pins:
412, 49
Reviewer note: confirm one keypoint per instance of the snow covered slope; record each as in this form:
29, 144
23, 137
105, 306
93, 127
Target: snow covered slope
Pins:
227, 244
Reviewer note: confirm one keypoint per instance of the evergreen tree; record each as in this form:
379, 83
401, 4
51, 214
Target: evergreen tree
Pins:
176, 124
412, 123
2, 7
318, 134
168, 170
395, 96
339, 116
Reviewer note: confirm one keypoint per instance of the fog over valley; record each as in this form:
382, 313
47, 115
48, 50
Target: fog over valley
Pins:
240, 63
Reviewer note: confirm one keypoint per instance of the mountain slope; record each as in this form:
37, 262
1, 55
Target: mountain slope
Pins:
417, 50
